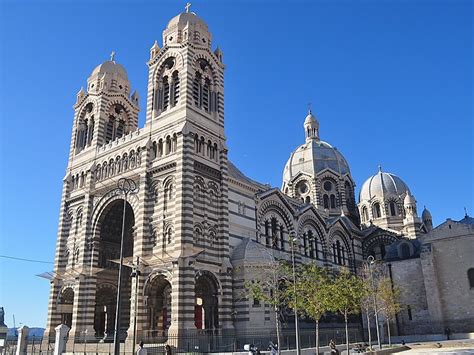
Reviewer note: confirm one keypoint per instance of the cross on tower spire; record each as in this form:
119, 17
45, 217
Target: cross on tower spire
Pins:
112, 56
188, 5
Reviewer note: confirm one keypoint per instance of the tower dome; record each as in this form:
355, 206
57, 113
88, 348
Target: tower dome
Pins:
187, 27
110, 67
109, 77
382, 185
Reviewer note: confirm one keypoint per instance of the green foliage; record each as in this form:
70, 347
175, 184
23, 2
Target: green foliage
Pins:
388, 297
347, 291
312, 291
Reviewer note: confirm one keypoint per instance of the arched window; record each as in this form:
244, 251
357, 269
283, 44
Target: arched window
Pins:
174, 143
267, 233
311, 244
308, 199
365, 214
305, 244
215, 151
166, 93
198, 237
274, 233
282, 238
120, 129
393, 210
326, 201
201, 145
197, 196
333, 201
154, 150
197, 90
196, 143
168, 145
404, 251
209, 148
175, 89
376, 210
470, 276
206, 95
160, 147
90, 135
110, 130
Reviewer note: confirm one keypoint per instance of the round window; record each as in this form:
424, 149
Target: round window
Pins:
327, 185
302, 187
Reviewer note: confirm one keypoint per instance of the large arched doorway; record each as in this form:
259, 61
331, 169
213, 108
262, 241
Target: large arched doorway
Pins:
109, 230
158, 302
206, 314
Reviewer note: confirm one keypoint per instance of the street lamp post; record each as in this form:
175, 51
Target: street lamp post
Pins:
370, 262
136, 274
127, 187
294, 240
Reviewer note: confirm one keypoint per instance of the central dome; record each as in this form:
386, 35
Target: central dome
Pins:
312, 158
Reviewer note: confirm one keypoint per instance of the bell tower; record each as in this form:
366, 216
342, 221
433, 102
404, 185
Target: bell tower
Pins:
185, 119
105, 111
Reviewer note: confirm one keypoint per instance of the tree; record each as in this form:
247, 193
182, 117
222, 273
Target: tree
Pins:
269, 287
367, 305
388, 297
347, 291
312, 294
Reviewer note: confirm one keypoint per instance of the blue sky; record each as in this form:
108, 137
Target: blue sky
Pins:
390, 82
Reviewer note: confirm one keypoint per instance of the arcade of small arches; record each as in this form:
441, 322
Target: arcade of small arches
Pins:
118, 165
389, 208
205, 197
207, 149
164, 146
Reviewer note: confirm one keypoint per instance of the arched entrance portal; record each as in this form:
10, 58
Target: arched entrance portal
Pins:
158, 301
109, 230
206, 315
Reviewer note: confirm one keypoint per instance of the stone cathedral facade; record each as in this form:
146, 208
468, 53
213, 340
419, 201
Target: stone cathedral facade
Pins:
198, 228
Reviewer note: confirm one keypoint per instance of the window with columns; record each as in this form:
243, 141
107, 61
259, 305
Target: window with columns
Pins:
204, 95
310, 245
116, 124
274, 234
85, 128
166, 92
339, 253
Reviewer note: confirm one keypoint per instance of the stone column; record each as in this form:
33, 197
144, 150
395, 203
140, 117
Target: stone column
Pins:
61, 334
22, 345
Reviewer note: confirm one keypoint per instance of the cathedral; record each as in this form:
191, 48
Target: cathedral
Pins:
196, 228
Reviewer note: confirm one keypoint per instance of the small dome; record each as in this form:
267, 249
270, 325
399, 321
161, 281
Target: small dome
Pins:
250, 252
110, 67
426, 215
310, 119
313, 157
183, 18
382, 185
